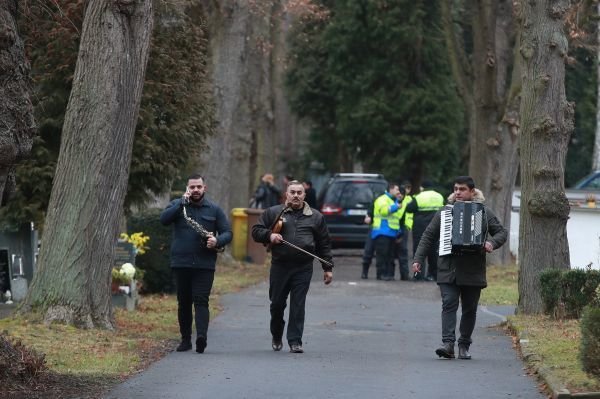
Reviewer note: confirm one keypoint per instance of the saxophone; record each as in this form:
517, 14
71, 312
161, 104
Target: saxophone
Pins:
205, 234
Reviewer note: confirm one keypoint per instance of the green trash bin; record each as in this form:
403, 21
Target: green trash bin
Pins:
240, 233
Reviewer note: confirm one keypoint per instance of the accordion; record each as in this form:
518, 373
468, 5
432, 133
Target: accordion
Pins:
462, 228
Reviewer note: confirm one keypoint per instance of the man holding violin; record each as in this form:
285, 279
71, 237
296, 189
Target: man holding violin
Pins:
296, 234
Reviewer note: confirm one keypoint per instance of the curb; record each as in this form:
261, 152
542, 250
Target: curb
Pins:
557, 388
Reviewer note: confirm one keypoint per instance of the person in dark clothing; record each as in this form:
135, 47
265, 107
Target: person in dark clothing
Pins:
423, 207
291, 269
200, 228
460, 275
266, 194
311, 194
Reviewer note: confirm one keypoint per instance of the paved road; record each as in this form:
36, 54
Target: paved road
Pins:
363, 339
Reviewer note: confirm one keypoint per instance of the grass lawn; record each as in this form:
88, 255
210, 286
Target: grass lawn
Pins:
552, 345
90, 360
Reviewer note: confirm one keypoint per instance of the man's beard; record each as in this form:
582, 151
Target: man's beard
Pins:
196, 200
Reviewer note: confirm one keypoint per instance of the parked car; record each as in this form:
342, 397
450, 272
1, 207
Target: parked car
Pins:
590, 182
344, 201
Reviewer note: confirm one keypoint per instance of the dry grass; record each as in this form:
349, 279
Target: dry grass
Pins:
141, 336
502, 286
555, 347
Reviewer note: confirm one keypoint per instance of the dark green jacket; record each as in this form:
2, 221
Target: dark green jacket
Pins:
462, 269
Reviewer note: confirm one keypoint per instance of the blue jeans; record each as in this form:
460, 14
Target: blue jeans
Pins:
469, 298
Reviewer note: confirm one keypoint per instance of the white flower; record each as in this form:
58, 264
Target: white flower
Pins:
128, 270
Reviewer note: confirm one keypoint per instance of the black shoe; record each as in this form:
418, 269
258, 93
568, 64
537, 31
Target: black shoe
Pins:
276, 344
404, 277
446, 350
430, 278
463, 352
200, 344
364, 276
184, 345
296, 348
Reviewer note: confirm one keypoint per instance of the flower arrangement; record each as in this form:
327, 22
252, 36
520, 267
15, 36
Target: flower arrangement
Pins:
591, 200
138, 240
125, 274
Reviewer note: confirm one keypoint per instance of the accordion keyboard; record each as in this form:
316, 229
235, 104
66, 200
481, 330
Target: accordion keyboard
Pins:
446, 231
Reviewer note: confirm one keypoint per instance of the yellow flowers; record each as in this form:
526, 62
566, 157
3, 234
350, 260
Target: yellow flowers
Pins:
138, 240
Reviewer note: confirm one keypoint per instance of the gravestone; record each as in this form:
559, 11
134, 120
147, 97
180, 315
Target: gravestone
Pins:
124, 253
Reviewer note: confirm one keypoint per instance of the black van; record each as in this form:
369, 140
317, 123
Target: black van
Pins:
344, 201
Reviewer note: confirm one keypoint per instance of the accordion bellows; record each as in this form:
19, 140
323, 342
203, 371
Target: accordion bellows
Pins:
463, 228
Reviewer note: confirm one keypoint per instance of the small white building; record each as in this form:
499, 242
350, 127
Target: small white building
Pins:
583, 233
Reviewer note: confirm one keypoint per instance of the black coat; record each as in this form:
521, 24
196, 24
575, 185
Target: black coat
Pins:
188, 248
462, 269
266, 195
304, 228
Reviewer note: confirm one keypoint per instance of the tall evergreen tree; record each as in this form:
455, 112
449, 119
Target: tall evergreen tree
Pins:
374, 81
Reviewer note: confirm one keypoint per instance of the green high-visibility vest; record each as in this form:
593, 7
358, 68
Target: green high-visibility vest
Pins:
381, 211
429, 201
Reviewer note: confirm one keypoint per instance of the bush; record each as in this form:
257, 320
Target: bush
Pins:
566, 292
155, 261
550, 284
19, 364
589, 352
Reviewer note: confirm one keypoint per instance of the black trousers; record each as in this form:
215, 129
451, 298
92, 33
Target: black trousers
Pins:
432, 256
384, 255
469, 298
193, 288
293, 281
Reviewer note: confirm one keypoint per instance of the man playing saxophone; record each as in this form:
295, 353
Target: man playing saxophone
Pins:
200, 228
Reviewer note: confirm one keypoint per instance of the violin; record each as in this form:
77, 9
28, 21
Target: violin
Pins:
276, 229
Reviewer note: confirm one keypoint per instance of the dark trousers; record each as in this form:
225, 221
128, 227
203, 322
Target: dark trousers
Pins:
384, 255
193, 287
469, 298
400, 253
293, 281
368, 252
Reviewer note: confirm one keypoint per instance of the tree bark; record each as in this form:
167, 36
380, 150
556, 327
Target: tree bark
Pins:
547, 123
72, 282
596, 150
17, 124
491, 98
256, 132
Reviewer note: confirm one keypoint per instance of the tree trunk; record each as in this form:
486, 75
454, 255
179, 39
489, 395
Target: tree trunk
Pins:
596, 150
17, 125
547, 123
256, 133
490, 94
72, 282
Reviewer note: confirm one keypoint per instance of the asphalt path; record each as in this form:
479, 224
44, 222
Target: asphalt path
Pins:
362, 339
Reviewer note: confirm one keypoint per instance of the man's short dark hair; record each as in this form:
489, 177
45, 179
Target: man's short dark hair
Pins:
392, 185
468, 180
196, 176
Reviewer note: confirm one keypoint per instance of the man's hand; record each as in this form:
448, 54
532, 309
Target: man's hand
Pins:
416, 267
367, 220
275, 238
327, 277
211, 242
488, 247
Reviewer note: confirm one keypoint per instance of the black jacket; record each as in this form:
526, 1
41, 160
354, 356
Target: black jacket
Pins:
266, 195
462, 269
188, 248
304, 227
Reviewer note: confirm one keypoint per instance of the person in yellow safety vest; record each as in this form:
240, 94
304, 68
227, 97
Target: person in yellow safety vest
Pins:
406, 224
424, 206
387, 211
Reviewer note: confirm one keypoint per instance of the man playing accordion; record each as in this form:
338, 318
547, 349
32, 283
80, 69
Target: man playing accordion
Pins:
461, 274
